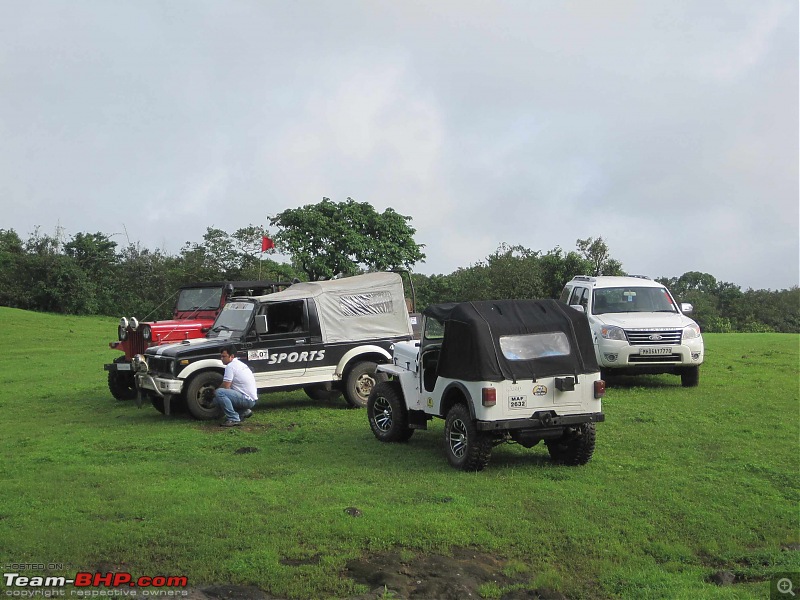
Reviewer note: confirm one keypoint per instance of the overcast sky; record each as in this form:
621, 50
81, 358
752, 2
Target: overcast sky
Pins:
668, 127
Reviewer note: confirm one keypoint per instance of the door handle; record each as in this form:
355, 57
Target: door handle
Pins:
298, 342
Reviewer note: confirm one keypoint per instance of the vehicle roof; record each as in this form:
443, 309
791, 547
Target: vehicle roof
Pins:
472, 331
602, 281
236, 284
361, 307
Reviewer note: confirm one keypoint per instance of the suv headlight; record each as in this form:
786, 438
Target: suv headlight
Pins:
147, 333
613, 333
691, 332
134, 323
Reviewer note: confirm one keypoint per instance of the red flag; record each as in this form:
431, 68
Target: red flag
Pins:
266, 244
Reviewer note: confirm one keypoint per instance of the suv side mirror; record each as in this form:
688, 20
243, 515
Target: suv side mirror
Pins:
578, 307
261, 324
686, 307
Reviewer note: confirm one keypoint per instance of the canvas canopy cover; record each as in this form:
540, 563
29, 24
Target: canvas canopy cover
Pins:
352, 309
500, 340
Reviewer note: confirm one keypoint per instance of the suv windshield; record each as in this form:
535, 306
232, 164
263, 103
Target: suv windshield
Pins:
199, 299
235, 316
632, 299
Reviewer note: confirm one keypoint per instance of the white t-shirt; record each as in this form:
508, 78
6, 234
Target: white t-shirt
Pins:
241, 378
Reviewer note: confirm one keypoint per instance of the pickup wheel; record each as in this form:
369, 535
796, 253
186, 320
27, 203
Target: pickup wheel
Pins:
575, 447
690, 377
121, 384
387, 413
360, 381
467, 448
200, 395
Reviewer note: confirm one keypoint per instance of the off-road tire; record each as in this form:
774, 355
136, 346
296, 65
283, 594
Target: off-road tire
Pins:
360, 381
387, 413
467, 448
575, 447
122, 384
200, 395
690, 376
322, 391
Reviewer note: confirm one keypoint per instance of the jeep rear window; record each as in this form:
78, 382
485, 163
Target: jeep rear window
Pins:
199, 299
534, 345
374, 303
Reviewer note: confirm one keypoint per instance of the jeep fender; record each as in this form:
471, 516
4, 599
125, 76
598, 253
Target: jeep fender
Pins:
408, 384
454, 393
206, 364
373, 353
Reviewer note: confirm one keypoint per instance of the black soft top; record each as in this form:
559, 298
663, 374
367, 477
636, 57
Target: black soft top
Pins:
472, 332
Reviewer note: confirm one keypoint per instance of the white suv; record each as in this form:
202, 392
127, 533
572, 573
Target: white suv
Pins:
638, 327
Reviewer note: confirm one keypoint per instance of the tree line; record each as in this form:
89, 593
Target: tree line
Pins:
89, 274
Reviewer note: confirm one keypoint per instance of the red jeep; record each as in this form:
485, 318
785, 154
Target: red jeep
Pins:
195, 310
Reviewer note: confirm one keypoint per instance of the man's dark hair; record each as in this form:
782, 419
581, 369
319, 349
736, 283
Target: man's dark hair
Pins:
229, 348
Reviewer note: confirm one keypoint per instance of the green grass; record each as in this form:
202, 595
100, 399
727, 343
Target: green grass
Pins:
685, 482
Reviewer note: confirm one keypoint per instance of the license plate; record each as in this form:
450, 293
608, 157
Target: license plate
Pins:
655, 351
518, 402
123, 367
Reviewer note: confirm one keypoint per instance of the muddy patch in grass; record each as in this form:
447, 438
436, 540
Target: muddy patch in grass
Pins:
400, 576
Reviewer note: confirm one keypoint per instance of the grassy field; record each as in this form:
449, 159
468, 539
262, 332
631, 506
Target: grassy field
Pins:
685, 482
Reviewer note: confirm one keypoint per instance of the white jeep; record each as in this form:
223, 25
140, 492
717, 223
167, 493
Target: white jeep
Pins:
638, 327
497, 371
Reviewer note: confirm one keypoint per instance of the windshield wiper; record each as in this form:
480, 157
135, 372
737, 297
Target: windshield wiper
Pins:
222, 328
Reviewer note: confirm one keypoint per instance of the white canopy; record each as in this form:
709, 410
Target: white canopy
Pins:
358, 308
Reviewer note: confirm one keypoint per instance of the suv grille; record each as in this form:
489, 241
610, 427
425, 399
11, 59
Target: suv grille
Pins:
637, 358
654, 337
158, 364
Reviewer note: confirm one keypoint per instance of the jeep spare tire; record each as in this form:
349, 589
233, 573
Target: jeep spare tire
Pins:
200, 395
360, 381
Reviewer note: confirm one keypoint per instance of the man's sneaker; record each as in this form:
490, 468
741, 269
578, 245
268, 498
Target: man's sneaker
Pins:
230, 423
246, 414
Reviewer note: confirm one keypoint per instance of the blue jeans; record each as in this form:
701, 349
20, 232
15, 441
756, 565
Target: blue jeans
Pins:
230, 400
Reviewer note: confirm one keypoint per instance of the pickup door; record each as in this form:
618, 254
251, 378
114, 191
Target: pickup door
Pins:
291, 344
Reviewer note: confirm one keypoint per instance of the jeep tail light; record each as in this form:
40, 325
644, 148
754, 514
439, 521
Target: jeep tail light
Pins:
489, 396
599, 388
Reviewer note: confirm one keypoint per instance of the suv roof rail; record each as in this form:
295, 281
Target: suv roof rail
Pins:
583, 278
639, 276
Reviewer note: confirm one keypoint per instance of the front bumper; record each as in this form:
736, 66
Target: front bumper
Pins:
162, 386
616, 355
118, 366
542, 420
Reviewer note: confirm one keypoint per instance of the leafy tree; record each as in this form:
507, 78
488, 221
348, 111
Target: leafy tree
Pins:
329, 239
557, 268
597, 253
12, 258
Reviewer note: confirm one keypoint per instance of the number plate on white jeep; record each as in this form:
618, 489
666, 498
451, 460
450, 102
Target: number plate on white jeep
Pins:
655, 351
518, 402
